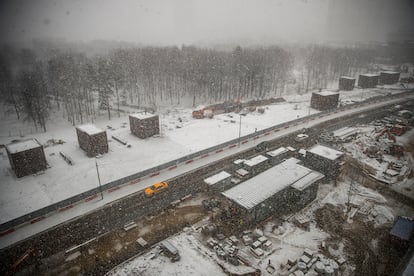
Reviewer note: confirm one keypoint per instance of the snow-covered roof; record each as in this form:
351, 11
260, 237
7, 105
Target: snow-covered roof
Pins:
326, 93
345, 132
277, 152
142, 116
89, 129
22, 146
238, 161
214, 179
263, 186
255, 160
369, 75
242, 172
326, 152
348, 78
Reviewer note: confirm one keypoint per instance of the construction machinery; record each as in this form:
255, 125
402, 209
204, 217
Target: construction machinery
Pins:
389, 134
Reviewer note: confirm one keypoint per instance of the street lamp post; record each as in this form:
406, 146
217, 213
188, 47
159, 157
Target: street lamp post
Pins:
99, 178
239, 129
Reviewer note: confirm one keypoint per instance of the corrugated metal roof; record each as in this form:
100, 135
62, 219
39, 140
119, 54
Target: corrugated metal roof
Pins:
263, 186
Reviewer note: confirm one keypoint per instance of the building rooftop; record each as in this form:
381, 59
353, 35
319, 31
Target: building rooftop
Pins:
22, 146
348, 78
326, 93
403, 228
214, 179
369, 75
326, 152
266, 184
277, 152
142, 116
90, 129
255, 160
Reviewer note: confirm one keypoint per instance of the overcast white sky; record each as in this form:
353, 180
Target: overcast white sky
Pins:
205, 21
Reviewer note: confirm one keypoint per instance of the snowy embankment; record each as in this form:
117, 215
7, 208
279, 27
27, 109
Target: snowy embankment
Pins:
23, 195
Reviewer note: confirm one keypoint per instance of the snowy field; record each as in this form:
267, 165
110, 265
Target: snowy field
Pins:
177, 139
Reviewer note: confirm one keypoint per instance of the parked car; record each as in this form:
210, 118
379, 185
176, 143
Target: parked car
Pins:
156, 188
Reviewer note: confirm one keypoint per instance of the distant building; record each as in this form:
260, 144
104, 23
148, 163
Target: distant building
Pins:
92, 140
346, 83
368, 80
389, 77
281, 189
325, 160
26, 157
324, 100
144, 125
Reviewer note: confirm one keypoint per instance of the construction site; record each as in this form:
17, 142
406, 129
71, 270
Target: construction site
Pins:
358, 184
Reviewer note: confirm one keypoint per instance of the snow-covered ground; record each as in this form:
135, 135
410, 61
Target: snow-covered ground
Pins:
60, 181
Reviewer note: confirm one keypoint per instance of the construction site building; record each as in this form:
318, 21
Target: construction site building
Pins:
284, 188
325, 160
144, 125
324, 100
346, 83
389, 77
368, 80
92, 140
256, 164
26, 157
218, 182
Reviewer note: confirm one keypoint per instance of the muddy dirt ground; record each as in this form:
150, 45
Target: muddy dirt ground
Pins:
115, 247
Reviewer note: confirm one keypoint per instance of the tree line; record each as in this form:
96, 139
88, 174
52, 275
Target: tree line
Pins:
80, 85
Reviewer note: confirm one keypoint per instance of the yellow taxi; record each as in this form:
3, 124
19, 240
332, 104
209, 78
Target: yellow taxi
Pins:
156, 188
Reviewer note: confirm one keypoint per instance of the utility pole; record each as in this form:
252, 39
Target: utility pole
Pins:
99, 178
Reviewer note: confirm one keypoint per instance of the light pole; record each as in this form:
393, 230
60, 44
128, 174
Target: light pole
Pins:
239, 129
99, 179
